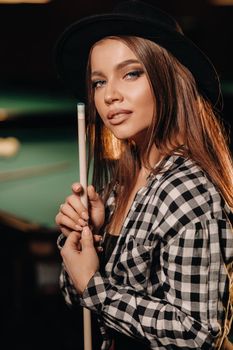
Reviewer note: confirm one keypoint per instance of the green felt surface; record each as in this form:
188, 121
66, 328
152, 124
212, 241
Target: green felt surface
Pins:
36, 196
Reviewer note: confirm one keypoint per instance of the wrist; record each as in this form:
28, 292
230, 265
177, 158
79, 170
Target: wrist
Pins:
84, 285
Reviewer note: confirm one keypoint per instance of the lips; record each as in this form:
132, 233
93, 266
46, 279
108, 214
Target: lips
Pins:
118, 116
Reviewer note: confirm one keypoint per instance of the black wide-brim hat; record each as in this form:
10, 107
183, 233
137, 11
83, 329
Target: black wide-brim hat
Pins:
131, 18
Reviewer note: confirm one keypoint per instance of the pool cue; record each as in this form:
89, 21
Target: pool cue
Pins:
83, 180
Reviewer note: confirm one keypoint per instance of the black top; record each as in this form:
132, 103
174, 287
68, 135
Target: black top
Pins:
121, 341
108, 246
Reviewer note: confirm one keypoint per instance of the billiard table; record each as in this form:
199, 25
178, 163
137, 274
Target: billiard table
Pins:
36, 180
33, 183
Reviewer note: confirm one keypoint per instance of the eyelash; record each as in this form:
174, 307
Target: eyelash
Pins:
134, 73
96, 82
131, 75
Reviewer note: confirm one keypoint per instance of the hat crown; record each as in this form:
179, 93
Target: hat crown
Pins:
148, 12
132, 18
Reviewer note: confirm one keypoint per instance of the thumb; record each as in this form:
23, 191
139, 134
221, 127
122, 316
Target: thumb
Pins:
93, 196
87, 238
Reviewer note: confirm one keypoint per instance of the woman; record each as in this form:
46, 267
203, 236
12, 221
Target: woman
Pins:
163, 186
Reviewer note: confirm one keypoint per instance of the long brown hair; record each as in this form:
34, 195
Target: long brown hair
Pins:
180, 109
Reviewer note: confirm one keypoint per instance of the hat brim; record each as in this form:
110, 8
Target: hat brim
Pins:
73, 47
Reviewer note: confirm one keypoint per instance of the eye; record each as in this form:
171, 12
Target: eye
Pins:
97, 83
134, 74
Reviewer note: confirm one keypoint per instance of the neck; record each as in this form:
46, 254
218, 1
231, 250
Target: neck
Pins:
154, 157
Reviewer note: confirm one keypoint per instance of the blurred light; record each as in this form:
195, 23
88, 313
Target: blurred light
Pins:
9, 147
24, 1
222, 2
3, 114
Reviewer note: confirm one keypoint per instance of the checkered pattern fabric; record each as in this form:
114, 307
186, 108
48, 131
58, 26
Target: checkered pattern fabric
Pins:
167, 281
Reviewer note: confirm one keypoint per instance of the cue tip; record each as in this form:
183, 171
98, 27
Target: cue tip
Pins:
81, 110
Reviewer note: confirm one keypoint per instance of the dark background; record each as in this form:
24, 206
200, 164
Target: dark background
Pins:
33, 310
28, 34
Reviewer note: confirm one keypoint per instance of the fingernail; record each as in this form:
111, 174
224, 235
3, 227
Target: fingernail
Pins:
82, 222
84, 215
86, 231
76, 188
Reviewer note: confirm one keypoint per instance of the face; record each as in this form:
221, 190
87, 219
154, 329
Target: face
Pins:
122, 93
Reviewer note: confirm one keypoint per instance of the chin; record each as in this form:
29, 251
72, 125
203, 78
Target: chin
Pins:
137, 136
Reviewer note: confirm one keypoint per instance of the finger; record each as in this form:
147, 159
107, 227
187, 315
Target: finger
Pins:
67, 231
87, 238
97, 238
93, 196
75, 202
77, 234
63, 220
78, 239
69, 211
82, 223
97, 242
72, 241
77, 188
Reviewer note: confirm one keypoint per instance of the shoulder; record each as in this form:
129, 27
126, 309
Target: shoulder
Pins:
184, 175
184, 188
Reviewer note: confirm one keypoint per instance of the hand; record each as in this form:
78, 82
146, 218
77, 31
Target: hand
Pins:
82, 264
73, 216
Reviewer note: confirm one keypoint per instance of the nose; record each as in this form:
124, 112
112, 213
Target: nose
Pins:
112, 93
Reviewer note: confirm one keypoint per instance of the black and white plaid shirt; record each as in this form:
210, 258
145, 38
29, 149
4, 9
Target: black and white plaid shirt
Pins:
167, 281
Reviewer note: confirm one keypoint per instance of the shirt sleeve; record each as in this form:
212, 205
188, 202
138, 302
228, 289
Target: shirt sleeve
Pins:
188, 316
72, 298
67, 288
144, 317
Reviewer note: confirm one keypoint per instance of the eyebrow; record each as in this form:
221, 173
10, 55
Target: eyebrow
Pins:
118, 66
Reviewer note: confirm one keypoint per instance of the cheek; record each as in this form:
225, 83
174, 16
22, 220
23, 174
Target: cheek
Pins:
146, 103
141, 93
